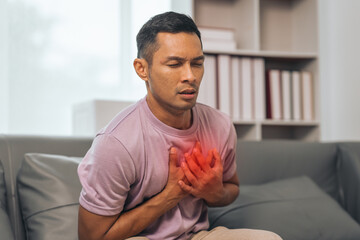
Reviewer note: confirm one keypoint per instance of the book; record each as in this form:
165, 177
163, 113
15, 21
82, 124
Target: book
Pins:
258, 73
224, 83
268, 96
217, 38
296, 95
218, 44
246, 88
273, 94
307, 96
207, 94
212, 33
286, 94
236, 94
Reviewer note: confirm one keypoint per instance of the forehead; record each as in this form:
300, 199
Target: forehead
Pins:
178, 44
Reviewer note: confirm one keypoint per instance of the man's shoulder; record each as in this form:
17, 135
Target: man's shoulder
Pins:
218, 123
212, 114
125, 123
123, 134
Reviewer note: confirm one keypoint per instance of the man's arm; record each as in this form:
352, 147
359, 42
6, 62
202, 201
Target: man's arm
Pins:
130, 223
231, 191
206, 178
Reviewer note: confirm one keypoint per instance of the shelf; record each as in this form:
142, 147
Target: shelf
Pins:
290, 123
265, 54
247, 131
277, 123
289, 25
293, 132
240, 15
244, 122
283, 35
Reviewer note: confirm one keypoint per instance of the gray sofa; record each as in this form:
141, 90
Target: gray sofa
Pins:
299, 190
40, 210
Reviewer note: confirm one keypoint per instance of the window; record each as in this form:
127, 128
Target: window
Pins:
54, 54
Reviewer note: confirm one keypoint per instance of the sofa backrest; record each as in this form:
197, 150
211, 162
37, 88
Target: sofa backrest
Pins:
349, 177
12, 151
265, 161
5, 226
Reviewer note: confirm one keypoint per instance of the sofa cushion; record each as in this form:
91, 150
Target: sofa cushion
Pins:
5, 227
265, 161
294, 208
49, 189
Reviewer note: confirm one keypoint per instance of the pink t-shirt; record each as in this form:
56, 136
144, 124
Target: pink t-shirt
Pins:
129, 159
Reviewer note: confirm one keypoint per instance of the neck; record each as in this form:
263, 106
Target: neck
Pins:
179, 119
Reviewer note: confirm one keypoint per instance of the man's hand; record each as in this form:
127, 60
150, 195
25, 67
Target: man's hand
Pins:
176, 175
205, 175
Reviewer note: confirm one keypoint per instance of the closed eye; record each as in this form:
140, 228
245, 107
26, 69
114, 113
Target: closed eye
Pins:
197, 64
175, 65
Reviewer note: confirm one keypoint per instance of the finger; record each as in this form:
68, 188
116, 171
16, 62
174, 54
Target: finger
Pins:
173, 157
209, 158
188, 174
217, 158
185, 187
193, 165
201, 160
198, 146
185, 180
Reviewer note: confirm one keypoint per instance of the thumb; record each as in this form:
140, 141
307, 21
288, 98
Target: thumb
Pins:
173, 157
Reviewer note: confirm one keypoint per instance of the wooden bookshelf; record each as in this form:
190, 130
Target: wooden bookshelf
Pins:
282, 32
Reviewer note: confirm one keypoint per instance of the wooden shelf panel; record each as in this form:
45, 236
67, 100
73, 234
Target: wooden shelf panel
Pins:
240, 15
294, 123
244, 122
290, 132
265, 54
289, 123
289, 25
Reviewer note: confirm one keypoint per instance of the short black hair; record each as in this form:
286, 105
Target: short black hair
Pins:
170, 22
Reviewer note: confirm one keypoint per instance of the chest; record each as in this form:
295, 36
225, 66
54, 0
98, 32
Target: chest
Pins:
156, 157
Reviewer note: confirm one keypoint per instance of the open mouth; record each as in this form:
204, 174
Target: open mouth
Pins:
188, 92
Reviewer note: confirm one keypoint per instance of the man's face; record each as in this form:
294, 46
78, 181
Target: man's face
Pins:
176, 72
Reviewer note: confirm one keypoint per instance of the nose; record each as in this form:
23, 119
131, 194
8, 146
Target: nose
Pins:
188, 74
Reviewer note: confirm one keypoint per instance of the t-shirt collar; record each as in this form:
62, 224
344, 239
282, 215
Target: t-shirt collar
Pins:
166, 128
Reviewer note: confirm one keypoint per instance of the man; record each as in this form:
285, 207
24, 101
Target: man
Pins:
158, 164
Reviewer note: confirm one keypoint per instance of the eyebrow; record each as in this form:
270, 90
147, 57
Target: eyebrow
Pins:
183, 59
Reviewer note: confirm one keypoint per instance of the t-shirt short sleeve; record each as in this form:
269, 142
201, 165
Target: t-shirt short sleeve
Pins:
106, 174
229, 155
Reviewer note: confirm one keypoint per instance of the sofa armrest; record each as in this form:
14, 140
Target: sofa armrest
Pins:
349, 177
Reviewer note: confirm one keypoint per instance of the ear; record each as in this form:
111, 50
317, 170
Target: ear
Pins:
141, 68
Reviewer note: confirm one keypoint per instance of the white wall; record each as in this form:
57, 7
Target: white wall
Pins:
4, 84
339, 44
